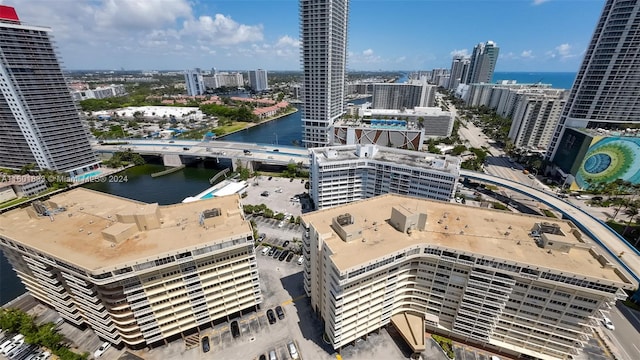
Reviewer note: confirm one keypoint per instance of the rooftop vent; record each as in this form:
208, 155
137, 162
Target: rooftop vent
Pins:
345, 219
40, 208
207, 214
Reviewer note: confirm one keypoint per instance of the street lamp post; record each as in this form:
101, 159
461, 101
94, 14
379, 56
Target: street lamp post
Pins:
276, 134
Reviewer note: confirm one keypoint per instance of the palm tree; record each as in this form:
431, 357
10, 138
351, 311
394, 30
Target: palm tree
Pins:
631, 212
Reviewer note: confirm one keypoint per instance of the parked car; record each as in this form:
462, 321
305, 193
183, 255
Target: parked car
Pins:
43, 356
15, 342
270, 177
102, 349
263, 357
281, 224
264, 193
293, 351
283, 255
271, 317
235, 329
280, 312
277, 254
276, 150
286, 243
266, 250
272, 251
272, 355
205, 344
262, 237
289, 257
608, 324
300, 260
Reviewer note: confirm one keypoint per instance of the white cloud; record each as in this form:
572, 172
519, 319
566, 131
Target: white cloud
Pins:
288, 41
463, 52
221, 30
400, 59
368, 52
539, 2
564, 49
140, 14
137, 32
527, 54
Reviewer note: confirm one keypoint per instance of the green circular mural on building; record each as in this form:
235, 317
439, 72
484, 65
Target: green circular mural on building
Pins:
610, 159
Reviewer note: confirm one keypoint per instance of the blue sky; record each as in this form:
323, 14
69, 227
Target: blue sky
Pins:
533, 35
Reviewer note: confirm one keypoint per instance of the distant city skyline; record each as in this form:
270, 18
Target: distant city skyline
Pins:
533, 35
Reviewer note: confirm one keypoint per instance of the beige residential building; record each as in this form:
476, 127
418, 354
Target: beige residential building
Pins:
518, 283
138, 274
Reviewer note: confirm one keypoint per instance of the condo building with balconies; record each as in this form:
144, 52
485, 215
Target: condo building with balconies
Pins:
138, 274
39, 122
346, 173
514, 283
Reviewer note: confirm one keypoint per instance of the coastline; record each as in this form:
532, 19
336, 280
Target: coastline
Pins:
250, 125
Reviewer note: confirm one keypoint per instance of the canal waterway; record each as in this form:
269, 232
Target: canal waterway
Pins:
173, 188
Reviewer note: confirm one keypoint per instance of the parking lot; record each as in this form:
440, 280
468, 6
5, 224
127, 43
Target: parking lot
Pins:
280, 192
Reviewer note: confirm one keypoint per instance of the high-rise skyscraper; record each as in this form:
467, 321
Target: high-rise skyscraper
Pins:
323, 28
483, 62
39, 123
415, 93
605, 92
258, 80
459, 71
194, 82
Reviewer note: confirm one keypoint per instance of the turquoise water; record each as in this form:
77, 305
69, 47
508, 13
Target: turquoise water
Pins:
208, 195
86, 175
558, 80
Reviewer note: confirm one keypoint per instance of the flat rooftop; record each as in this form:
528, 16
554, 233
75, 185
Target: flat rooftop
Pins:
478, 231
444, 163
75, 234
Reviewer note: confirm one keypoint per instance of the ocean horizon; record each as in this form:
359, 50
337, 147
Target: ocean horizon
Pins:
558, 80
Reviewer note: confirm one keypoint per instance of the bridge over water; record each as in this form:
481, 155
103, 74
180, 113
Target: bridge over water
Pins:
175, 152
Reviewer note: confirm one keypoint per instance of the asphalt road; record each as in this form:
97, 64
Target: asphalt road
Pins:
627, 331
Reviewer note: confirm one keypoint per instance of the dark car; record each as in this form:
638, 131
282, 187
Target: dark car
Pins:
597, 198
277, 254
280, 312
270, 177
272, 251
289, 257
263, 357
247, 152
264, 193
291, 180
286, 243
235, 329
283, 255
205, 344
276, 150
271, 316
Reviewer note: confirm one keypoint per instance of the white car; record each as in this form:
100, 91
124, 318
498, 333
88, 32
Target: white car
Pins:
43, 356
293, 351
300, 260
266, 249
101, 350
14, 345
608, 324
281, 224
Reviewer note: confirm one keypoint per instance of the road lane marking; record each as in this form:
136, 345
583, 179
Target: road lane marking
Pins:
291, 301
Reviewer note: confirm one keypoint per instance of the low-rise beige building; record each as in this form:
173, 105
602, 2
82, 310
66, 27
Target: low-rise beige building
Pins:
521, 284
138, 274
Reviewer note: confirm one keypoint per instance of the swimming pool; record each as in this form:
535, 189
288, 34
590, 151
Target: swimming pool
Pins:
86, 175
